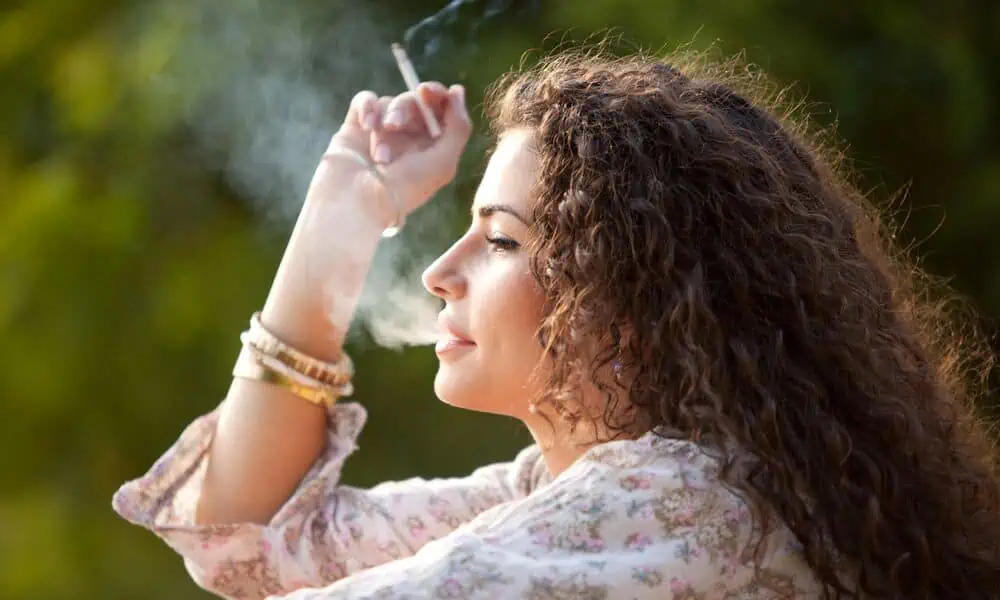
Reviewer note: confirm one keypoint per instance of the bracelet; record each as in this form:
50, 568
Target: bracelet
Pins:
344, 389
359, 158
334, 375
252, 367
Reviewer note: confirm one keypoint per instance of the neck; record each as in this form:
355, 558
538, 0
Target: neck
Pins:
562, 445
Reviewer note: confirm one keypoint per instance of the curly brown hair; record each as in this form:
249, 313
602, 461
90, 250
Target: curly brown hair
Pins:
752, 298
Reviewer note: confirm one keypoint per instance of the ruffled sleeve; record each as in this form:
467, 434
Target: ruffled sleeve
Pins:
325, 531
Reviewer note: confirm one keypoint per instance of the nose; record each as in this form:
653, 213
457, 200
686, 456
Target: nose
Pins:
443, 278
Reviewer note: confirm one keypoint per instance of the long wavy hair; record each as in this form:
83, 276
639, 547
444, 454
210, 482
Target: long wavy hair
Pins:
747, 293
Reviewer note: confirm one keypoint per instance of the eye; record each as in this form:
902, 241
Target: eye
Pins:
502, 244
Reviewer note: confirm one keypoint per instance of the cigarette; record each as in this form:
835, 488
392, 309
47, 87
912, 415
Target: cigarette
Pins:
410, 77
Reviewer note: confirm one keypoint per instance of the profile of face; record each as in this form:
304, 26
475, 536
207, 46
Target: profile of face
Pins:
489, 350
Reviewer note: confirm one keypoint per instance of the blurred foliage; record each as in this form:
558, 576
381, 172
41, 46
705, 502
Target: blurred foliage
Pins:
130, 259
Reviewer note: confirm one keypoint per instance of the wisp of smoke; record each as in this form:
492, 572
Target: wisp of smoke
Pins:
273, 81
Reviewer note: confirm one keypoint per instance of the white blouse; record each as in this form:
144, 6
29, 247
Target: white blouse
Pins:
629, 520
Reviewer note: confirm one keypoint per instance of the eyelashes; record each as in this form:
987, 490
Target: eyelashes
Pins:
500, 243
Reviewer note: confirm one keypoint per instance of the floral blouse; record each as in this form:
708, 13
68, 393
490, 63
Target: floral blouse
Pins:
628, 520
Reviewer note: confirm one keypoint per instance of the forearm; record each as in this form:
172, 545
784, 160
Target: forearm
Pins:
267, 438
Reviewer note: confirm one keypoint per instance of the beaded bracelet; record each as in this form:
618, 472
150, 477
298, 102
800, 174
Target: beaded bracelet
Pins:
265, 343
267, 358
256, 367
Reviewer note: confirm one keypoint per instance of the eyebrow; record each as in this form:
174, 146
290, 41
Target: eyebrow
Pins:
487, 210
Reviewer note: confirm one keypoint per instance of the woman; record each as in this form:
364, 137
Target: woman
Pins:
735, 390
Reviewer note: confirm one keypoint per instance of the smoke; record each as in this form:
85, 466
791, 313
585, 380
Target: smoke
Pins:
457, 29
268, 83
265, 84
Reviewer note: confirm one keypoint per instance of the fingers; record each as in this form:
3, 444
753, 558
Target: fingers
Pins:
363, 110
457, 124
434, 94
389, 115
402, 114
458, 111
435, 97
380, 111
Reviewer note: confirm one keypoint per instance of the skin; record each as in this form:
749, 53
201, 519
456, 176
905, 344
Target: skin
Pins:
490, 356
267, 438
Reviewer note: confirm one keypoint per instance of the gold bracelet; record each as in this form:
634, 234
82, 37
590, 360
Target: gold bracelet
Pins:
271, 362
249, 367
334, 375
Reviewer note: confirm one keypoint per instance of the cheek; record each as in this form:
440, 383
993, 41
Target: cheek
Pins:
504, 309
509, 315
513, 307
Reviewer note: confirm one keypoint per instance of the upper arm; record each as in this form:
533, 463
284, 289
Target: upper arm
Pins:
325, 531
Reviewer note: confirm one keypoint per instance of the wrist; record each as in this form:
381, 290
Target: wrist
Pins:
311, 300
368, 183
343, 185
308, 329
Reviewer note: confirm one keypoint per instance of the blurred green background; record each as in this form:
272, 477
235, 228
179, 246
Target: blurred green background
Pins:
152, 155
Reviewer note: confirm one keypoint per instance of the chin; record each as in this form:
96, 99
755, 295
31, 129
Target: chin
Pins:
459, 390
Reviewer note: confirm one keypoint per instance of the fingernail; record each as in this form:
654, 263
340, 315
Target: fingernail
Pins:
393, 119
382, 154
460, 93
369, 121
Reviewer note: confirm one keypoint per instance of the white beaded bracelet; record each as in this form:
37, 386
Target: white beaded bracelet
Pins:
255, 366
264, 342
362, 160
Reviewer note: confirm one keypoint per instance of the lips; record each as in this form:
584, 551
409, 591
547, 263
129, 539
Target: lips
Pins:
452, 337
446, 346
452, 332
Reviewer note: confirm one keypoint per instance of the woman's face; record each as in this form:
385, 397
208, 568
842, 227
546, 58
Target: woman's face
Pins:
493, 306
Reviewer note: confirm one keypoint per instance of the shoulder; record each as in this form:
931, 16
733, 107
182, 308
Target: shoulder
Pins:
614, 493
647, 513
637, 520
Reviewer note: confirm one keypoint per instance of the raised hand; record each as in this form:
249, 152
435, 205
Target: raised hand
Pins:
391, 132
